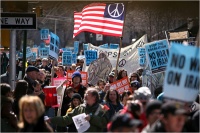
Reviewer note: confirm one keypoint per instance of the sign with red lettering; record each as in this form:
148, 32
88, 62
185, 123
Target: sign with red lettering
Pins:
58, 81
84, 77
121, 85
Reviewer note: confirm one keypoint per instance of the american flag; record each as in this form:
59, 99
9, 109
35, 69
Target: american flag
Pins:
100, 18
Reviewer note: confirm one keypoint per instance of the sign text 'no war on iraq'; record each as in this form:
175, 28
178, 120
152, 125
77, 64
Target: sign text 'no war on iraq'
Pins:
182, 73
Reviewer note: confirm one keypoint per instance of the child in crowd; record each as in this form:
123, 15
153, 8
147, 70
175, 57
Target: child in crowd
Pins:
76, 101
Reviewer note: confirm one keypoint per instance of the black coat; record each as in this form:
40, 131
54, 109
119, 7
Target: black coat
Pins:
40, 126
30, 85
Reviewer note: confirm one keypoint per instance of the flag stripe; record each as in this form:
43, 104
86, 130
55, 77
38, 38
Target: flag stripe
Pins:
92, 19
110, 24
102, 28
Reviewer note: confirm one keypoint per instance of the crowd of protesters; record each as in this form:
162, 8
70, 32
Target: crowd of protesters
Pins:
23, 108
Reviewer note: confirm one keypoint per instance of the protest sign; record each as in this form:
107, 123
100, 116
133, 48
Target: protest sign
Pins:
142, 56
182, 73
90, 55
33, 57
67, 58
85, 46
54, 46
99, 69
84, 77
58, 81
114, 46
157, 55
121, 85
44, 34
42, 45
104, 46
44, 52
81, 123
74, 58
76, 47
35, 50
28, 52
128, 57
99, 37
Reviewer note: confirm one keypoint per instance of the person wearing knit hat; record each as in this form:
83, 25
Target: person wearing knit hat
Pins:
76, 83
76, 74
75, 101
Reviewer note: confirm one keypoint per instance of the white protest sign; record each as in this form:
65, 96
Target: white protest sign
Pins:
99, 37
182, 73
58, 81
157, 55
81, 123
99, 69
128, 57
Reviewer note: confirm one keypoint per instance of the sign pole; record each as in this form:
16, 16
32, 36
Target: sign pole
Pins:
24, 53
118, 57
12, 60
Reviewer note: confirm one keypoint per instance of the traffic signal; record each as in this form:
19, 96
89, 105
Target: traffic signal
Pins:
38, 10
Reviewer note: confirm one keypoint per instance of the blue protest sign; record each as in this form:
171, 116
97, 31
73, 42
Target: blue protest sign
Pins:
28, 52
54, 46
20, 55
181, 80
33, 57
90, 55
67, 58
42, 45
35, 46
114, 46
44, 52
104, 46
64, 49
76, 47
44, 33
142, 56
74, 58
157, 55
85, 46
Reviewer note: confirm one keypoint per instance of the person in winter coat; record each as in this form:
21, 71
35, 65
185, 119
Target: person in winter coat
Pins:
76, 101
112, 100
20, 90
30, 77
173, 118
32, 115
76, 83
95, 113
8, 117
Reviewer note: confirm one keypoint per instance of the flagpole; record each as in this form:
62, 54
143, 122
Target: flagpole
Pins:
120, 44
